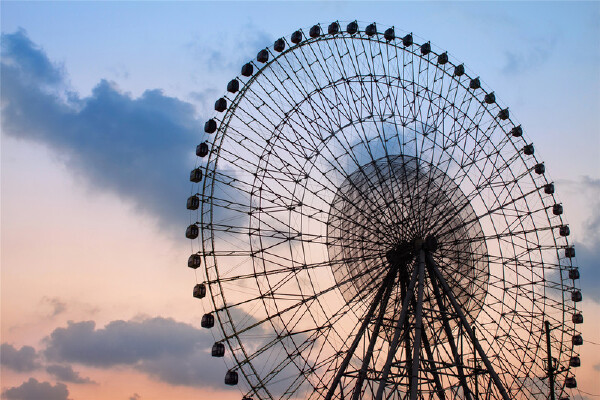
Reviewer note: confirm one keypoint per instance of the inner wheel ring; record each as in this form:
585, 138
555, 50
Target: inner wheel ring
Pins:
386, 206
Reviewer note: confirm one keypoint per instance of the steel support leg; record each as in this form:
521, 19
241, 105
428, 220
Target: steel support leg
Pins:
414, 378
367, 359
436, 377
448, 331
395, 340
360, 333
457, 308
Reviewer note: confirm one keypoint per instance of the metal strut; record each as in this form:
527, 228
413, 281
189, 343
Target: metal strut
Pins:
367, 359
550, 363
448, 331
414, 379
376, 300
457, 308
394, 345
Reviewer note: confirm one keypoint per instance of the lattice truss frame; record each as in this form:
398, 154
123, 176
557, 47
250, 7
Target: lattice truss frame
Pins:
331, 152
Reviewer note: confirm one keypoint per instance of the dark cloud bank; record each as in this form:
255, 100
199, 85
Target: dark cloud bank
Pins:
34, 390
23, 360
173, 352
138, 148
588, 250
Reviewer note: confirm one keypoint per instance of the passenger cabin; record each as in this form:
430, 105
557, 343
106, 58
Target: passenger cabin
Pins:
549, 188
279, 45
208, 321
315, 31
193, 202
443, 58
528, 149
371, 29
504, 114
425, 48
578, 318
352, 27
575, 362
407, 40
196, 175
576, 296
389, 34
334, 28
577, 340
574, 273
231, 378
192, 232
490, 98
194, 261
262, 56
459, 70
210, 126
564, 230
202, 149
539, 168
247, 69
557, 209
475, 83
296, 37
570, 382
221, 105
218, 350
200, 291
233, 86
517, 131
570, 252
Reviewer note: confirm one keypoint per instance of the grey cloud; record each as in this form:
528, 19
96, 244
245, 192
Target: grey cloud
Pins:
173, 352
23, 360
588, 250
140, 148
529, 58
58, 306
135, 396
597, 367
231, 51
34, 390
24, 55
65, 373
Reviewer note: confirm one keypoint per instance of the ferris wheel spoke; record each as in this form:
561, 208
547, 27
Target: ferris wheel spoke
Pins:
302, 302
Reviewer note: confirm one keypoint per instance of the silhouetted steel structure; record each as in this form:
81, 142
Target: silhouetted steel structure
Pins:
373, 224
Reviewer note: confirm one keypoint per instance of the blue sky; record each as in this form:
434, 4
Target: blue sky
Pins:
102, 104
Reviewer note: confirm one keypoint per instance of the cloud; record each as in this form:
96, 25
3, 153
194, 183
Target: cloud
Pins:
588, 250
232, 51
23, 360
58, 306
139, 148
66, 373
597, 367
135, 396
173, 352
529, 58
34, 390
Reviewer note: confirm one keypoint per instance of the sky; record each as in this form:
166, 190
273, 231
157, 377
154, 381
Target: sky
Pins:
102, 106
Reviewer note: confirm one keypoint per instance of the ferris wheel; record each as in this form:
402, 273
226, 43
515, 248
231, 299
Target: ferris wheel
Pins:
368, 221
